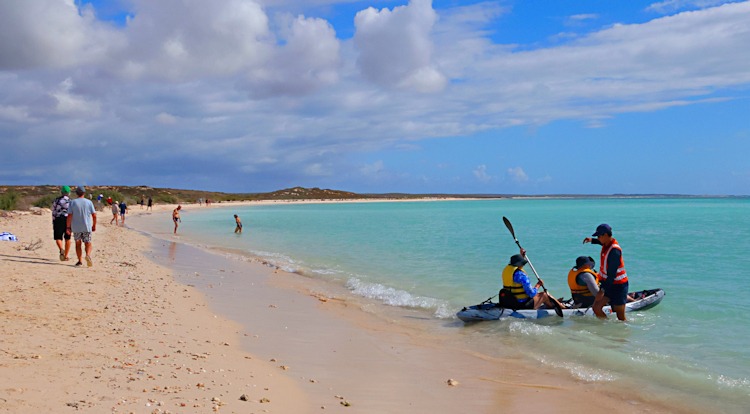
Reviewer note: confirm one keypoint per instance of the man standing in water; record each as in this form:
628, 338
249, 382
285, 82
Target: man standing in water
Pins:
237, 220
614, 279
176, 217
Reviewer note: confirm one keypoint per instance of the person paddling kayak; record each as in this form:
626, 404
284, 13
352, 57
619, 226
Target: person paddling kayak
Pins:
614, 278
517, 291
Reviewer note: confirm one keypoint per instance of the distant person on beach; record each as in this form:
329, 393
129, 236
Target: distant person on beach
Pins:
150, 204
612, 274
123, 210
60, 222
82, 223
517, 292
115, 213
176, 217
143, 202
583, 282
237, 220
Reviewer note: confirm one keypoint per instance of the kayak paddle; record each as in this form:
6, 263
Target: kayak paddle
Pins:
555, 303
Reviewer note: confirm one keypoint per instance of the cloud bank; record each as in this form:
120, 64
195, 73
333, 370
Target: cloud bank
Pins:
194, 91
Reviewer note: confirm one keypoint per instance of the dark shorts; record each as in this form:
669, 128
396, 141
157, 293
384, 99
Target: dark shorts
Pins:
583, 301
58, 228
617, 294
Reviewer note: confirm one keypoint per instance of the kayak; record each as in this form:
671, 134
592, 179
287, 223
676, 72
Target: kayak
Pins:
491, 311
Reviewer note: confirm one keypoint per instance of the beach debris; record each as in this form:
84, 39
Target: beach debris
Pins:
284, 367
272, 306
244, 397
264, 400
273, 359
31, 246
451, 382
345, 403
126, 264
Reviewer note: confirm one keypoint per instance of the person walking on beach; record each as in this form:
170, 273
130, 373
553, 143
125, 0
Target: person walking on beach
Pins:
115, 213
517, 292
82, 223
237, 220
123, 210
60, 222
176, 217
612, 274
583, 282
150, 204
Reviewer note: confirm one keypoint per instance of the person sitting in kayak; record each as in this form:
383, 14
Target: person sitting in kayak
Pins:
517, 292
583, 282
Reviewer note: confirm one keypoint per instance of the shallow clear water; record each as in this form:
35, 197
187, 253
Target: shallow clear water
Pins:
440, 256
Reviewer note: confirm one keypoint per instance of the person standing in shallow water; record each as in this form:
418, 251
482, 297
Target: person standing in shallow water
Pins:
612, 274
176, 218
237, 220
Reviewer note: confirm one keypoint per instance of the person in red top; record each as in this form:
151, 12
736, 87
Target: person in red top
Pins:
614, 278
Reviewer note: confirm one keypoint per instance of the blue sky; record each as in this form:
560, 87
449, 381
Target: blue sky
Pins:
494, 97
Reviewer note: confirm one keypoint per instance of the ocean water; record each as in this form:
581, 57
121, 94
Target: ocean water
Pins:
436, 257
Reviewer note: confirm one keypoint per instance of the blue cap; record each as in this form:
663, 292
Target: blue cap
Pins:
80, 190
602, 229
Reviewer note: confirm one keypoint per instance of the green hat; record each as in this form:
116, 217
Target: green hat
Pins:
65, 189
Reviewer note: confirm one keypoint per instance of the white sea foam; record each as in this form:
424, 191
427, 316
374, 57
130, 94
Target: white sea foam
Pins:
581, 372
396, 297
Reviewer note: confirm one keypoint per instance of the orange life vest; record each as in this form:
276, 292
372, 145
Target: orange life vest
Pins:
575, 288
621, 277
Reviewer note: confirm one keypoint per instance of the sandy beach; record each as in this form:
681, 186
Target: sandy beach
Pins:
132, 335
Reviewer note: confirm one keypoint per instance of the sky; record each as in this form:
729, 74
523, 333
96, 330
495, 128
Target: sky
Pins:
452, 96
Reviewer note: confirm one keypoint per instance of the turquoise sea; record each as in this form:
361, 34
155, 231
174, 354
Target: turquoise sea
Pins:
436, 257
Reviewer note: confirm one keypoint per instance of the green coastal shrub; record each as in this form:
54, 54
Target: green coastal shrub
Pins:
165, 199
46, 201
8, 200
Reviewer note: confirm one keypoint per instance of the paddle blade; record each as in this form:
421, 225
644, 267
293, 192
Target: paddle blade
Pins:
509, 226
558, 309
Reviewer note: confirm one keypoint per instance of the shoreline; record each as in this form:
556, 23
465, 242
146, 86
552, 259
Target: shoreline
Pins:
490, 385
143, 336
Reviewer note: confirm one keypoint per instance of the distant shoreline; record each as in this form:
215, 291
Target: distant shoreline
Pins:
20, 197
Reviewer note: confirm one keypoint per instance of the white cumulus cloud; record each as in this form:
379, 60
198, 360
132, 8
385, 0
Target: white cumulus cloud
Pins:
481, 174
395, 47
518, 175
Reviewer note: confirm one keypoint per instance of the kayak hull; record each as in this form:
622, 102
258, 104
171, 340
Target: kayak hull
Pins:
490, 311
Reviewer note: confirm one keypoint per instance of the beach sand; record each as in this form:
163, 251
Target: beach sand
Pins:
179, 334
